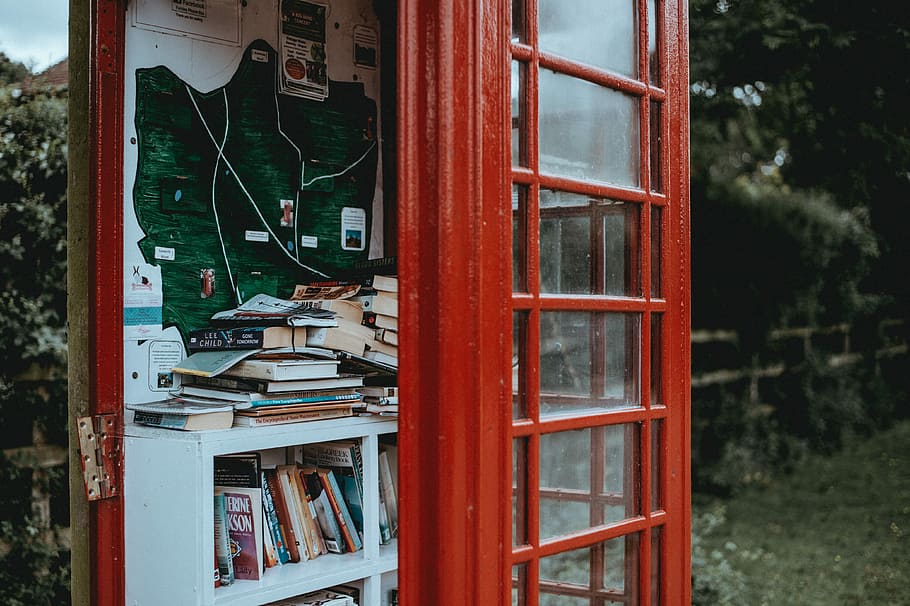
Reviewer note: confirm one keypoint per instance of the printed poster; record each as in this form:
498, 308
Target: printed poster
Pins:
142, 301
302, 50
213, 20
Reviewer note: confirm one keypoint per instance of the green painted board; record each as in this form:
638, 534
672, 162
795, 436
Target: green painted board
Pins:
214, 167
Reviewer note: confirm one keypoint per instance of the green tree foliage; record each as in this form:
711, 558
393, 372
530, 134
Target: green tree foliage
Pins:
32, 331
800, 155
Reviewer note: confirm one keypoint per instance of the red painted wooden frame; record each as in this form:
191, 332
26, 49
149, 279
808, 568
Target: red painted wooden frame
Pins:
105, 290
668, 151
454, 224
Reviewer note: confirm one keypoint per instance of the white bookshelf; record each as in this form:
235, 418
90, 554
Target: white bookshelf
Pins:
168, 517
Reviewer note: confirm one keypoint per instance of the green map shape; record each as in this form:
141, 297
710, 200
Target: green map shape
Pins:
179, 168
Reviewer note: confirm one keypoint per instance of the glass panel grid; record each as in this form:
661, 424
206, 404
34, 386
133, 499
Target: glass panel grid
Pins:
588, 478
566, 254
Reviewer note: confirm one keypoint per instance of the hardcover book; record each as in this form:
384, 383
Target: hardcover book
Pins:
240, 469
291, 417
187, 414
331, 390
284, 369
347, 336
254, 337
237, 384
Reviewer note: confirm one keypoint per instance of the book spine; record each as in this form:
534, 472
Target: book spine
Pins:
313, 521
292, 417
228, 383
206, 339
385, 531
223, 543
271, 514
387, 485
284, 520
304, 400
158, 419
303, 510
340, 508
290, 498
269, 551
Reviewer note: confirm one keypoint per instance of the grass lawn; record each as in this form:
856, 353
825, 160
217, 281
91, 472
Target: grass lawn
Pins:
835, 532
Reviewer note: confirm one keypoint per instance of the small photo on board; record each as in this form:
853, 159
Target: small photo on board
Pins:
353, 239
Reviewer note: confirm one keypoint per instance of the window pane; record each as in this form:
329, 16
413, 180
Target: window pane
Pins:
519, 119
519, 584
588, 478
621, 269
602, 33
587, 131
519, 23
655, 565
607, 572
588, 245
519, 238
565, 254
656, 245
656, 441
519, 491
653, 44
656, 139
519, 355
589, 361
656, 373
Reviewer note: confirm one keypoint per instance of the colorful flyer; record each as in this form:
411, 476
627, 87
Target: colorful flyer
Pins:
302, 50
353, 228
163, 356
142, 300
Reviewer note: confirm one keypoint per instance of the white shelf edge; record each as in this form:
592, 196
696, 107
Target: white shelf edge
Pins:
239, 439
291, 580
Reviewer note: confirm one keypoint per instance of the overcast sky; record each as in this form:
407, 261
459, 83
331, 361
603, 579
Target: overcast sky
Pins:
34, 31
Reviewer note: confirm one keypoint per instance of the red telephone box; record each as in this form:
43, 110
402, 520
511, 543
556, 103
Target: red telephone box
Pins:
542, 240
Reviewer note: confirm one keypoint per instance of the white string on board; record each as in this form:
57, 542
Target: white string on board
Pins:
227, 263
243, 188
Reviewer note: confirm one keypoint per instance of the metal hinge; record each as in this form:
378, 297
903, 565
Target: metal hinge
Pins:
99, 450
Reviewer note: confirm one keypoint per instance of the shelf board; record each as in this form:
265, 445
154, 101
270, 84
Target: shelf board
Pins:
238, 439
290, 580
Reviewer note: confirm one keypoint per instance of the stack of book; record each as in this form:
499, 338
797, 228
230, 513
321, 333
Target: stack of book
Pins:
271, 389
380, 306
379, 399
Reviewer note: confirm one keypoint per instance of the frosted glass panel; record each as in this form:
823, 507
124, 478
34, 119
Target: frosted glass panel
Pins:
589, 361
587, 131
573, 495
602, 33
609, 571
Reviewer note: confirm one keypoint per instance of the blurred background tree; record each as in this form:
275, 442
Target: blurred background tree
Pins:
800, 152
34, 569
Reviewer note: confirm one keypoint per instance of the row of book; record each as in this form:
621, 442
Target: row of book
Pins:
319, 355
269, 515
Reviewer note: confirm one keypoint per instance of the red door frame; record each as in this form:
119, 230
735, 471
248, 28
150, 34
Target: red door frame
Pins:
454, 231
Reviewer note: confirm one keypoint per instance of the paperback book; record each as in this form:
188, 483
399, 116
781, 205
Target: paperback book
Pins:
243, 512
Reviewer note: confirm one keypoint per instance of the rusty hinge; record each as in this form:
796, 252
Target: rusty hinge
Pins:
99, 450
